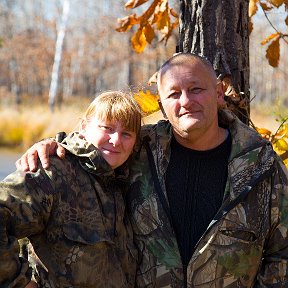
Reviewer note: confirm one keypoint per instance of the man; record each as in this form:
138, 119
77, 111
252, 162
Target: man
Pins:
209, 197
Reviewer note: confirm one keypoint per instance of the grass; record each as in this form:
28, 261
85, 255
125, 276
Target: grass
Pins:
21, 128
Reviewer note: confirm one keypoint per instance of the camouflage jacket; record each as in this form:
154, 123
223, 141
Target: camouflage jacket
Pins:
73, 215
246, 244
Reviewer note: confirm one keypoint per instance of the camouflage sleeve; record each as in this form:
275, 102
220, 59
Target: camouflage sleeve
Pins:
274, 268
25, 204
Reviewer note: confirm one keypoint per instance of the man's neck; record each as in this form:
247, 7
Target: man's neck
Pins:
202, 142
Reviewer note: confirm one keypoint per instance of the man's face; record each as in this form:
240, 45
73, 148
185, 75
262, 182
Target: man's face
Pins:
190, 95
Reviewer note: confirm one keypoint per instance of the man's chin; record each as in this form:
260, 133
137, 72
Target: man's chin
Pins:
189, 124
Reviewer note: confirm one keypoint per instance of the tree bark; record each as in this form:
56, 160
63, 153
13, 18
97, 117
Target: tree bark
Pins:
218, 30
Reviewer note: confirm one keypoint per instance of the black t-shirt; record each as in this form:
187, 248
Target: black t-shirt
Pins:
195, 183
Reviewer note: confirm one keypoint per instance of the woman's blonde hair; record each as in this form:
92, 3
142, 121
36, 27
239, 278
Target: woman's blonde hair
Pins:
115, 106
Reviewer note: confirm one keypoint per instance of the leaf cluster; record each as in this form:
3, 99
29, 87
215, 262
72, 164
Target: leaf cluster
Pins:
158, 17
279, 139
272, 40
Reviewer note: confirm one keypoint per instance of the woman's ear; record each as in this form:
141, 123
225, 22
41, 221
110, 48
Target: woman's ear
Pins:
83, 125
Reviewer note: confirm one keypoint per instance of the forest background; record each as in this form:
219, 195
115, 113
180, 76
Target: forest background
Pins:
93, 57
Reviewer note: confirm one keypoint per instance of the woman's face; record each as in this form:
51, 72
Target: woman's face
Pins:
111, 138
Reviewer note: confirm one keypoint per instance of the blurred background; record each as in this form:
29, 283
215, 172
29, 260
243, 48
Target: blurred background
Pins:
41, 94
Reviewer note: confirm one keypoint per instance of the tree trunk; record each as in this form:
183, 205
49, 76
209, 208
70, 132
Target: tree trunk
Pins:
58, 54
218, 30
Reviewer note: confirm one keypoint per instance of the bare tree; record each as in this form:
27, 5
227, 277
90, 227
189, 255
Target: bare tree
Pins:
58, 54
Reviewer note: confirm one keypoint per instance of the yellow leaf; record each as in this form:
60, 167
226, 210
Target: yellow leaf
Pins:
253, 7
265, 7
282, 132
286, 162
147, 101
127, 22
282, 145
273, 53
134, 3
269, 38
163, 21
277, 3
175, 14
163, 5
138, 41
264, 132
149, 33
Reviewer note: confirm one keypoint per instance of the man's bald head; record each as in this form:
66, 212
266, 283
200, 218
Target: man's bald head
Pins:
182, 59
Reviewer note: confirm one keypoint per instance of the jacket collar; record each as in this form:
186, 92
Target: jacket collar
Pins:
90, 157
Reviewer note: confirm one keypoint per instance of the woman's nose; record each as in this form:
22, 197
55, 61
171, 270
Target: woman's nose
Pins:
115, 138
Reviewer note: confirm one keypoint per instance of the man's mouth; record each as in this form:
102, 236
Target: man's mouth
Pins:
188, 113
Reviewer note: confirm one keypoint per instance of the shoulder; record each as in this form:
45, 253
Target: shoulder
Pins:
161, 128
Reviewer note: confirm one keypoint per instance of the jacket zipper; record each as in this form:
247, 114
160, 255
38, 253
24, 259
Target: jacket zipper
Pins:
221, 213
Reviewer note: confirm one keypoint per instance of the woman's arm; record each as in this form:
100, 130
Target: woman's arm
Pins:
25, 204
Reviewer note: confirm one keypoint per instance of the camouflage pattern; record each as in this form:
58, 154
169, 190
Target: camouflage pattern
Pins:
246, 245
73, 214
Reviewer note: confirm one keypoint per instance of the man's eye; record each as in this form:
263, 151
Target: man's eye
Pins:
174, 94
196, 90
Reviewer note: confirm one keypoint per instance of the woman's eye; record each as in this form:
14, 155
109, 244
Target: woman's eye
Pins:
127, 134
106, 128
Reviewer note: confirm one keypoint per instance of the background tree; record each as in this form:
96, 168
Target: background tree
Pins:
218, 30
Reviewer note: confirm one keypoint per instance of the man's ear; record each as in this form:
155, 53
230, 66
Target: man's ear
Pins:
162, 109
220, 94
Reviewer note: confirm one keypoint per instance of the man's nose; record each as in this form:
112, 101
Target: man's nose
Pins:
115, 138
184, 98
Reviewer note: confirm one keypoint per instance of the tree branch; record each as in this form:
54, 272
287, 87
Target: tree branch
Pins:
271, 24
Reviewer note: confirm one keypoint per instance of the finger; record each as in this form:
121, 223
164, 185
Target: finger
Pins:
43, 152
32, 159
22, 163
60, 151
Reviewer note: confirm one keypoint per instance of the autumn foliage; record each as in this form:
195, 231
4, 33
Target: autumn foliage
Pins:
159, 16
273, 40
279, 140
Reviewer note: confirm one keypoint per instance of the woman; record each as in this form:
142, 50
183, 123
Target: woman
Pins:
73, 213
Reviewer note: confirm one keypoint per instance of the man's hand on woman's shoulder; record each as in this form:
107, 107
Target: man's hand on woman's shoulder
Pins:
42, 149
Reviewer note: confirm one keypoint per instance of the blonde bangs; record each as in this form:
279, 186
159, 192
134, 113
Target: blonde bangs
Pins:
116, 106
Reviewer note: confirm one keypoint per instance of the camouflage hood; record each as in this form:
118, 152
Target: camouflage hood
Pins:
90, 157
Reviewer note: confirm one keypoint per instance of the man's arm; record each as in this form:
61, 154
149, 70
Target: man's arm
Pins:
274, 269
42, 149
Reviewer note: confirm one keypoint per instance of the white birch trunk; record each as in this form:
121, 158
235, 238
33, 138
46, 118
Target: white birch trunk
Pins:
58, 54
